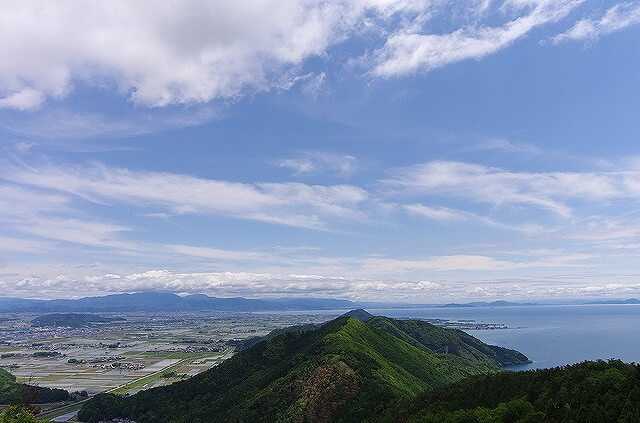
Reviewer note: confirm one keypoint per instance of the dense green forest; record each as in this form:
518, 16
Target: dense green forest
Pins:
598, 392
345, 370
17, 415
20, 393
448, 341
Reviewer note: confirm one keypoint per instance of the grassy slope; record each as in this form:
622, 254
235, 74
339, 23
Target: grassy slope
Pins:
448, 341
344, 371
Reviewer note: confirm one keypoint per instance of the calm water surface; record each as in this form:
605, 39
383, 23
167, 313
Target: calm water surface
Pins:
550, 335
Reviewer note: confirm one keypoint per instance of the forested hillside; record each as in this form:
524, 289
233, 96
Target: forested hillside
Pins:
345, 371
20, 393
449, 341
599, 392
383, 371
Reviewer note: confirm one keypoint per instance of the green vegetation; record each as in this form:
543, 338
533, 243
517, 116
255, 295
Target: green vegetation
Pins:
383, 371
185, 358
587, 392
12, 392
448, 341
243, 344
360, 314
16, 415
345, 370
73, 320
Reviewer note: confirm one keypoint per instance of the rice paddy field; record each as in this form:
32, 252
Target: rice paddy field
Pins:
141, 351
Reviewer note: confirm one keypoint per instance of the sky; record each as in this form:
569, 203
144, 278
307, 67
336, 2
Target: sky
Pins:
383, 150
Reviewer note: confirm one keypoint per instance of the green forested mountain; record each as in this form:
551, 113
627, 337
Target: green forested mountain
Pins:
243, 344
345, 371
450, 341
12, 392
598, 392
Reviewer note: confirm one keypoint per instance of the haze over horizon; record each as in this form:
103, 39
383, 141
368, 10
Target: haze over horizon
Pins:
387, 150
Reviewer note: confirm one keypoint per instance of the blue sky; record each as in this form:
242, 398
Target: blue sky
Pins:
374, 149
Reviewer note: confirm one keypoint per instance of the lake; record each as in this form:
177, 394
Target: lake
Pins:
550, 335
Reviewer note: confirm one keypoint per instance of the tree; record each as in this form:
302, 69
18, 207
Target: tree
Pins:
17, 415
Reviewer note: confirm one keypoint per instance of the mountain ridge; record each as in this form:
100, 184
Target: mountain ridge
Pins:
166, 301
345, 370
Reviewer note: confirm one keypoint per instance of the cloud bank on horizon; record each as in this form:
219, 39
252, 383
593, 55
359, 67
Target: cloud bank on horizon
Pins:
398, 149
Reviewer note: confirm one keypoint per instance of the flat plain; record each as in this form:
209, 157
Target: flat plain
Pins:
142, 351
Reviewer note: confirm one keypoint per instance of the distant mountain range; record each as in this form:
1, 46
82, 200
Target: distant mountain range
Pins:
162, 301
500, 303
628, 301
165, 301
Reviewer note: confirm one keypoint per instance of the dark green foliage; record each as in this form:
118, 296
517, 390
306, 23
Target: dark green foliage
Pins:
344, 371
449, 341
16, 415
243, 344
360, 314
598, 391
514, 411
383, 371
73, 320
19, 393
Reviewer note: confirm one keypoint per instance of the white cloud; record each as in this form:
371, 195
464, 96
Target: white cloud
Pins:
447, 214
23, 146
293, 204
315, 85
408, 51
68, 125
220, 254
501, 144
617, 18
45, 215
171, 52
77, 231
24, 245
310, 162
545, 190
436, 213
185, 52
213, 283
381, 266
25, 99
269, 284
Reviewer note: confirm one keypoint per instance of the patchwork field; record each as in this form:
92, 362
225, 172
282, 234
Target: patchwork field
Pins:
144, 350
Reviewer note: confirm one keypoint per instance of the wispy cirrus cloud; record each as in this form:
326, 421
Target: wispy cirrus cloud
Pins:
20, 244
436, 213
409, 50
68, 125
445, 214
52, 217
550, 191
617, 18
314, 162
286, 203
504, 145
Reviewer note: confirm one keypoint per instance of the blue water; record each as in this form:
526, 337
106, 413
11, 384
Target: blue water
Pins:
550, 335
